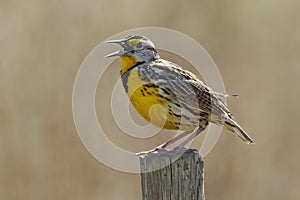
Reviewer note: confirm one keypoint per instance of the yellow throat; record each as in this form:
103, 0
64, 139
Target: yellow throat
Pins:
127, 63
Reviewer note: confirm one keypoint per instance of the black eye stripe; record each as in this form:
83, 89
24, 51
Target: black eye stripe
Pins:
151, 48
132, 49
139, 45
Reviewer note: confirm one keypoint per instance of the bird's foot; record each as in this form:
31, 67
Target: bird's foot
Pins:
155, 150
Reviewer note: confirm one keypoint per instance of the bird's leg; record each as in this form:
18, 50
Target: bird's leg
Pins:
174, 139
187, 140
166, 144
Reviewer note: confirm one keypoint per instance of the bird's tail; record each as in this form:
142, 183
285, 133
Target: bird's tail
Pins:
232, 126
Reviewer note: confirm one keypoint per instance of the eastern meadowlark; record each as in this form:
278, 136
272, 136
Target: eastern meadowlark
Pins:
169, 96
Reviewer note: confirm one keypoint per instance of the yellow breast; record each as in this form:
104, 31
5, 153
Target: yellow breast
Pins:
147, 102
146, 99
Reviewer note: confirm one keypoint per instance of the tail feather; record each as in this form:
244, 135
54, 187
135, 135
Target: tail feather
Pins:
232, 126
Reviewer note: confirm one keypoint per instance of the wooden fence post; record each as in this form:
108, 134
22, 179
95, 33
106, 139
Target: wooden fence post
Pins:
172, 175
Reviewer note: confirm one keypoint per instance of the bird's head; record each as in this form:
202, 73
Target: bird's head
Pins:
137, 47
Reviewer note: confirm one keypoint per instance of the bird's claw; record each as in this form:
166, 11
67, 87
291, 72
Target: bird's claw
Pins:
155, 150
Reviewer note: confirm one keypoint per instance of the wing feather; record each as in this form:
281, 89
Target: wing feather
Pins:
187, 88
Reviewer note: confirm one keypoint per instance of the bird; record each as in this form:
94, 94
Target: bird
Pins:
169, 96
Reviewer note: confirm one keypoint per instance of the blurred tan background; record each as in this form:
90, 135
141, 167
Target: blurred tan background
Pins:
255, 44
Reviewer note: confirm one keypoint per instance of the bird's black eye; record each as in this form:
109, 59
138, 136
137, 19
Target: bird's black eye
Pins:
139, 45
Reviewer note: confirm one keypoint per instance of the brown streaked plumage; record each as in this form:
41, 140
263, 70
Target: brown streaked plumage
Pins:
169, 96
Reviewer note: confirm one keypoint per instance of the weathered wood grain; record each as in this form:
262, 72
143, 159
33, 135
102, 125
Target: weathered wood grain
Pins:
172, 175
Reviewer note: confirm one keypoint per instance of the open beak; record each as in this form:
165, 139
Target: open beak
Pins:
117, 53
120, 41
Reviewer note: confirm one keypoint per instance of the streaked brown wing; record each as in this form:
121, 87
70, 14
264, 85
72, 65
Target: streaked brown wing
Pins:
187, 88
